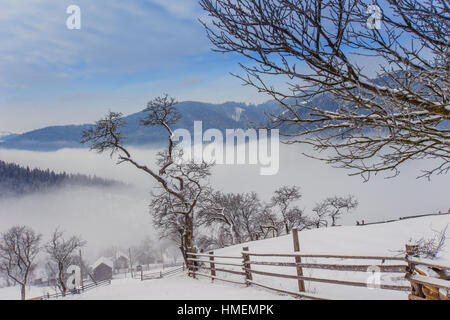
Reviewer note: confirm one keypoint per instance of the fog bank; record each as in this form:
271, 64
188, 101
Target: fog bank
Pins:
117, 217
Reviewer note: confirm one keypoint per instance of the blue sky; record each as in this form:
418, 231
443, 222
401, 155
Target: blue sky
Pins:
126, 53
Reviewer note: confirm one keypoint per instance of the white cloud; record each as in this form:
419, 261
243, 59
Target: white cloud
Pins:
115, 37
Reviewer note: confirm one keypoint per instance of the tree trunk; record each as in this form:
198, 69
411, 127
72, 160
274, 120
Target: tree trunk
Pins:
189, 234
286, 224
334, 221
22, 291
62, 285
189, 240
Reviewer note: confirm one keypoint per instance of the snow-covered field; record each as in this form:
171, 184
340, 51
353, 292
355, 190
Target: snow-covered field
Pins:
177, 287
383, 239
13, 293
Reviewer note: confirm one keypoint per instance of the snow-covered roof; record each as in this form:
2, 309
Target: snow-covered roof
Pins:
103, 260
120, 254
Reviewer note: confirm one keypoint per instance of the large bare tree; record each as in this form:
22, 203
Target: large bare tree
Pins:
18, 249
62, 253
180, 181
391, 84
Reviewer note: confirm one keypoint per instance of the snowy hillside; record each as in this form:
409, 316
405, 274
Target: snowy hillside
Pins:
382, 239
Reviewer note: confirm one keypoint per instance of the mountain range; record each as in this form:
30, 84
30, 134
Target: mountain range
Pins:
6, 135
229, 115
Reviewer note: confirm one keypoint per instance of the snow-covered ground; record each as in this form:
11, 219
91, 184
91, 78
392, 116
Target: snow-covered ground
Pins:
13, 293
383, 239
178, 287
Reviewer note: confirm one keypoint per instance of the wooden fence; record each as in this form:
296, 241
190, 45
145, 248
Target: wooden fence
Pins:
424, 286
240, 270
161, 274
84, 288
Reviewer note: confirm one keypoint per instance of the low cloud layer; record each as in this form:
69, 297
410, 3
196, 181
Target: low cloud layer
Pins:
117, 217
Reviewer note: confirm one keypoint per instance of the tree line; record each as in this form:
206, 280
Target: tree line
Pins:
16, 180
233, 218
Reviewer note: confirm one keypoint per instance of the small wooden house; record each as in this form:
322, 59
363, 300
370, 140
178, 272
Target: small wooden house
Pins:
102, 269
121, 261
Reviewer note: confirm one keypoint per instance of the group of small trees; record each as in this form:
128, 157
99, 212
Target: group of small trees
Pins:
233, 218
19, 247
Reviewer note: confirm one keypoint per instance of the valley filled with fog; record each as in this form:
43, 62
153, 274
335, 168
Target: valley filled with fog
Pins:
119, 216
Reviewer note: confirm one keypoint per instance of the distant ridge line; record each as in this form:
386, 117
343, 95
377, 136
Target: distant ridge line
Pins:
404, 218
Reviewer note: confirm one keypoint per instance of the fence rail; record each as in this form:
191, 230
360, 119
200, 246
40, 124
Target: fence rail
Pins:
337, 267
161, 274
81, 290
424, 286
244, 270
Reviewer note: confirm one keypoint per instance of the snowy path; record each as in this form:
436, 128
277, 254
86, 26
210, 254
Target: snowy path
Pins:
179, 287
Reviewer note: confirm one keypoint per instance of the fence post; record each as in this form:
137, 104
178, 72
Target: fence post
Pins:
188, 264
212, 265
191, 264
301, 283
142, 274
81, 272
416, 289
131, 262
247, 266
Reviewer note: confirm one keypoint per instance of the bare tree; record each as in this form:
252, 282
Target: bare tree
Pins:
283, 200
269, 224
321, 214
333, 208
249, 210
146, 252
62, 252
171, 223
384, 117
182, 182
339, 205
237, 215
217, 237
18, 249
431, 247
